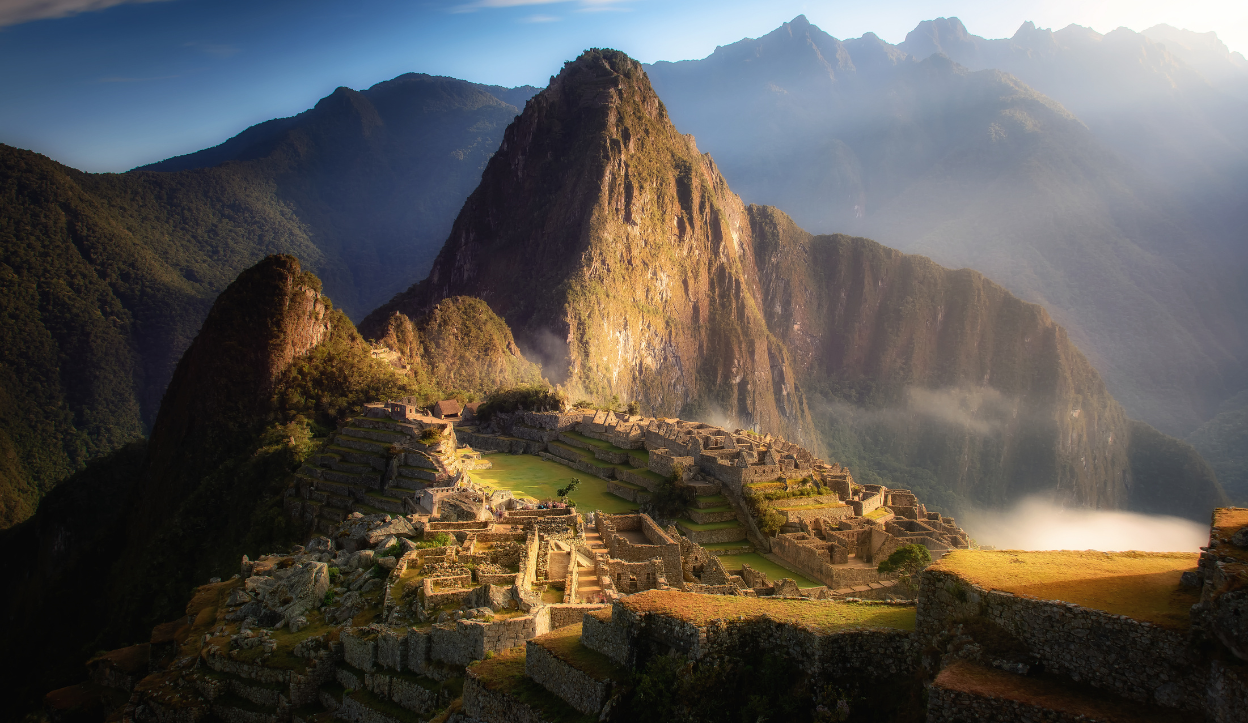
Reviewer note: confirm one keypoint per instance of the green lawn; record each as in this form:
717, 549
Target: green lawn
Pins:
526, 475
772, 570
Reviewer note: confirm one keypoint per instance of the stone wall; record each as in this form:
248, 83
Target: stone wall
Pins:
663, 462
811, 563
579, 690
1133, 659
870, 654
483, 704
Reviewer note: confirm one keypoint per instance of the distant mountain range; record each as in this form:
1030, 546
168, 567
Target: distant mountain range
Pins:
1093, 216
108, 276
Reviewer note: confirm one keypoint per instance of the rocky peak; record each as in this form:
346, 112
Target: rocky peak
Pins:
617, 254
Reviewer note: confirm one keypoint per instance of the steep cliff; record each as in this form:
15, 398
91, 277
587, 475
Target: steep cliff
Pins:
956, 382
618, 256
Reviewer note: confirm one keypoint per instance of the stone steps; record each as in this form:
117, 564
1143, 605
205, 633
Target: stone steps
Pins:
704, 516
393, 505
719, 533
360, 444
333, 487
377, 435
401, 493
411, 483
711, 501
355, 456
340, 502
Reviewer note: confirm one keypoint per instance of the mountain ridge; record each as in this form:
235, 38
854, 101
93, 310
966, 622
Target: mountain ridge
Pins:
664, 281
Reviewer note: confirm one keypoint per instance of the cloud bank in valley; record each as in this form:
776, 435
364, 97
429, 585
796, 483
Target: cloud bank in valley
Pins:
1038, 524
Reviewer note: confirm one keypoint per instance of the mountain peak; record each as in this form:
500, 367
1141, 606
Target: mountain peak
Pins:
617, 254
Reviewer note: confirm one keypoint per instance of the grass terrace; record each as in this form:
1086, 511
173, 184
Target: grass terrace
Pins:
565, 644
504, 673
1139, 585
773, 570
827, 616
526, 475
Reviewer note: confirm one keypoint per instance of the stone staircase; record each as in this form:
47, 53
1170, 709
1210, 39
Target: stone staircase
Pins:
711, 519
588, 587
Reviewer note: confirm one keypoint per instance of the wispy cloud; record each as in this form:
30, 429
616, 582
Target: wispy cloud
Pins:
215, 49
581, 5
15, 12
127, 79
541, 19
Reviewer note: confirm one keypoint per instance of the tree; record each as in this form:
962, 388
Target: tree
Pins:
907, 560
563, 492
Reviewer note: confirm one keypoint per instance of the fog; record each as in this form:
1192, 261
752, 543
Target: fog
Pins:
979, 410
1039, 524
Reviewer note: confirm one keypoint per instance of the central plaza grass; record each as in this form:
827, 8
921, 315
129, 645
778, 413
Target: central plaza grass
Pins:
774, 571
525, 475
1140, 585
821, 615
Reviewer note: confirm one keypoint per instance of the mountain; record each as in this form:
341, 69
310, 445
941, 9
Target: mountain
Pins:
376, 176
274, 368
109, 276
979, 169
617, 253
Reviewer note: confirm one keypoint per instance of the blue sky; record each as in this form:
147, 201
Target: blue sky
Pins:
105, 85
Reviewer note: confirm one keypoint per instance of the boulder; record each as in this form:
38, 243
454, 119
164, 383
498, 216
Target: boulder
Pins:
1240, 538
385, 543
396, 527
319, 544
301, 590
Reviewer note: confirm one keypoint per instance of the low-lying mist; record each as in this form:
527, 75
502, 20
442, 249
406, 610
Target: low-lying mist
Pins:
1039, 524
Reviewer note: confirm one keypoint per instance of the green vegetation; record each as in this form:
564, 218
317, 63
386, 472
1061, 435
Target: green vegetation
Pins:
768, 519
529, 397
536, 478
773, 570
906, 560
824, 616
439, 540
571, 487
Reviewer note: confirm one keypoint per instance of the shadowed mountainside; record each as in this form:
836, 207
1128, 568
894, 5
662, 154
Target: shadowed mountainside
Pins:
618, 254
107, 277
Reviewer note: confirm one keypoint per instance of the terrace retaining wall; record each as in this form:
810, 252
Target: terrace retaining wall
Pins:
1135, 659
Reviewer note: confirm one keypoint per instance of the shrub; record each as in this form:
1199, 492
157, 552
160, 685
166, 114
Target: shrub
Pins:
531, 397
768, 519
907, 560
430, 435
439, 540
334, 574
391, 551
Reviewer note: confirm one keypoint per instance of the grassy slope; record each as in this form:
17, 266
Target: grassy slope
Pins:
825, 616
1141, 585
529, 476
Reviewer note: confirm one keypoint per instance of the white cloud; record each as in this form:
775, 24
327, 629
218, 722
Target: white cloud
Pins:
1037, 524
540, 19
14, 12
